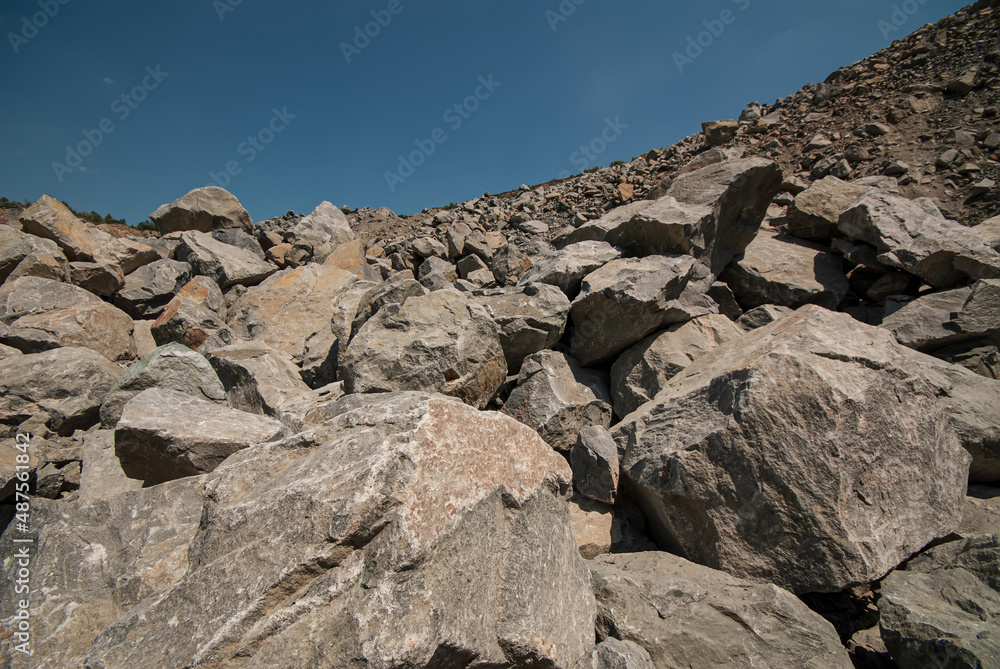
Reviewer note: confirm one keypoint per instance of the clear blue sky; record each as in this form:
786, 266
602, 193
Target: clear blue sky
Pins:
225, 67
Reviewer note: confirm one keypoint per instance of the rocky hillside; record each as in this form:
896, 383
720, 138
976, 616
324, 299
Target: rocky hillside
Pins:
733, 404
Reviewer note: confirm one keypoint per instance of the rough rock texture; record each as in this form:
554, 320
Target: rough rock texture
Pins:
816, 210
557, 398
192, 318
363, 576
594, 459
49, 218
148, 289
686, 615
530, 319
102, 477
170, 367
101, 279
440, 342
325, 225
642, 371
228, 265
628, 299
943, 609
925, 324
165, 435
761, 316
615, 654
257, 378
780, 270
63, 387
26, 255
807, 453
566, 268
203, 210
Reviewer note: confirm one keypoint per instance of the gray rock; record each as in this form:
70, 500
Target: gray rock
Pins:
376, 571
427, 247
165, 435
628, 299
27, 255
257, 378
509, 265
926, 323
980, 315
782, 454
435, 266
761, 316
477, 243
325, 225
644, 369
470, 264
187, 320
102, 477
685, 615
943, 609
170, 367
310, 409
557, 398
981, 513
615, 654
127, 254
908, 237
203, 210
990, 230
718, 133
440, 342
49, 218
64, 387
100, 279
148, 289
594, 459
240, 239
392, 292
227, 265
566, 268
530, 319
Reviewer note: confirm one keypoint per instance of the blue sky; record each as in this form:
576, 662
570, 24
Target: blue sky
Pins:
291, 103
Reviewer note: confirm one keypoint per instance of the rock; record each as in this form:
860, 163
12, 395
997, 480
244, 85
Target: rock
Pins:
426, 247
203, 210
227, 265
815, 421
593, 527
816, 143
126, 254
240, 239
685, 615
908, 237
477, 243
962, 84
816, 210
980, 315
926, 323
565, 269
718, 133
165, 435
981, 513
537, 227
49, 218
990, 230
257, 378
435, 266
628, 299
190, 320
644, 369
310, 409
63, 387
509, 265
942, 609
781, 270
97, 278
102, 477
69, 315
530, 319
615, 654
557, 398
723, 296
325, 225
350, 257
394, 291
26, 255
170, 367
594, 459
377, 573
468, 265
888, 285
148, 289
440, 342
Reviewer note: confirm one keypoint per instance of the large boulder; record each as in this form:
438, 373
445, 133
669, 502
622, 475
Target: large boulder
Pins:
203, 210
566, 268
530, 319
808, 453
325, 225
126, 254
628, 299
228, 265
557, 398
66, 315
943, 608
644, 369
64, 387
439, 342
778, 269
148, 289
165, 435
171, 367
26, 255
816, 210
51, 219
685, 615
350, 545
926, 323
257, 378
918, 240
193, 318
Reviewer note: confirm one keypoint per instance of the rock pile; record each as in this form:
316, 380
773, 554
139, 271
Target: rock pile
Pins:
715, 407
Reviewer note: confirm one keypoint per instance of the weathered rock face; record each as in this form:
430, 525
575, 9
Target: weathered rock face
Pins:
815, 421
565, 269
171, 367
66, 315
628, 299
943, 609
257, 378
911, 238
530, 319
148, 289
101, 279
27, 255
925, 324
595, 464
439, 342
165, 435
642, 371
188, 320
228, 265
63, 387
396, 290
126, 254
557, 398
780, 270
364, 575
49, 218
816, 210
203, 210
325, 225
